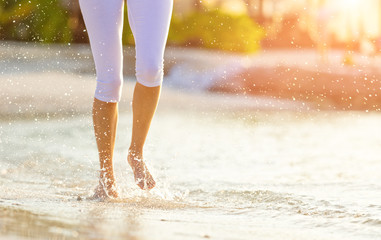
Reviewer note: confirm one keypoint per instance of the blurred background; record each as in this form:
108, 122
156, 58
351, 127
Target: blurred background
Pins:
232, 25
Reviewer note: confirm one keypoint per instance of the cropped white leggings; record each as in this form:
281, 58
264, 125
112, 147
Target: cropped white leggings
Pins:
149, 21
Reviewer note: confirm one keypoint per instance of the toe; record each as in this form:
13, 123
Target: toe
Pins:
152, 184
99, 193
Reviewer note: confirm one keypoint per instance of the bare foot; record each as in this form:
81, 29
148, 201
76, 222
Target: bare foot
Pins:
143, 177
106, 189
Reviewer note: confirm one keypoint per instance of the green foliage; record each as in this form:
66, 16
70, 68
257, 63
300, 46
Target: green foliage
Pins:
217, 30
128, 38
34, 20
48, 21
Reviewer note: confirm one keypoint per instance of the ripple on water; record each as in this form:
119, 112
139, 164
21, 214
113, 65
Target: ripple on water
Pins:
161, 199
279, 203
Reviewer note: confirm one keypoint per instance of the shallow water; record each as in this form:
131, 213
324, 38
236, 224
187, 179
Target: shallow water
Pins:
227, 167
221, 175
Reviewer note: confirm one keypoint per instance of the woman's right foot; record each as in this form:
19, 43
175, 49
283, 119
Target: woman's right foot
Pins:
143, 177
106, 189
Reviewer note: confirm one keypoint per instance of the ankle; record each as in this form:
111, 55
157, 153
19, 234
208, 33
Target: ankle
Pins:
135, 152
107, 175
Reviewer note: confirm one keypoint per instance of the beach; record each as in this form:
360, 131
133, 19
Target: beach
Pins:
228, 165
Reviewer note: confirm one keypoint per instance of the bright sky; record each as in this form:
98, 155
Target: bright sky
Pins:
362, 17
347, 19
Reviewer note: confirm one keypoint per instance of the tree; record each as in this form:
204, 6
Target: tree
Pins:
197, 5
255, 10
76, 23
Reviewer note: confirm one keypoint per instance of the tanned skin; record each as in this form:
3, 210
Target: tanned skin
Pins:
105, 119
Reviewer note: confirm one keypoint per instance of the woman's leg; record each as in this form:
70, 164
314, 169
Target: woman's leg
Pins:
104, 23
105, 117
144, 104
149, 21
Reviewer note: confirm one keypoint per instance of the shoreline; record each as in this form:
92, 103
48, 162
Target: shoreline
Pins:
50, 82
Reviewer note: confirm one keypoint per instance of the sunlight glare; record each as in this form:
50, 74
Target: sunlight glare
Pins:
350, 4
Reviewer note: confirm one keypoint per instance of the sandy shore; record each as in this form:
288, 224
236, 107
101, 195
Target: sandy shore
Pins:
278, 76
299, 75
51, 80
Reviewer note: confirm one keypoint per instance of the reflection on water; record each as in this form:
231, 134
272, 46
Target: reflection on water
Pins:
96, 221
18, 222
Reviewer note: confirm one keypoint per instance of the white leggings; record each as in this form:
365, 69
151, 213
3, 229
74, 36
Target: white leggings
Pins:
149, 21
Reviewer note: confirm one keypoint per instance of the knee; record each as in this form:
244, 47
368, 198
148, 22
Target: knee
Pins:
109, 90
149, 74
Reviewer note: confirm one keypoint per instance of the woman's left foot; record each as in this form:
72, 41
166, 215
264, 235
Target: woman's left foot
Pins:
143, 177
